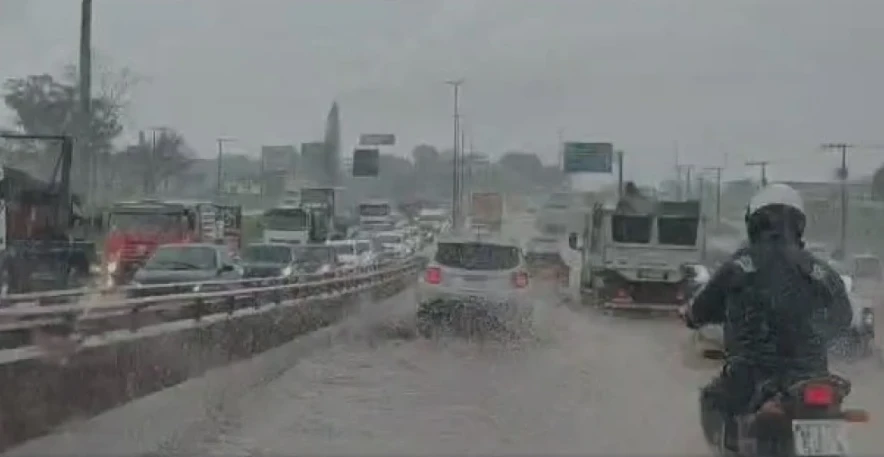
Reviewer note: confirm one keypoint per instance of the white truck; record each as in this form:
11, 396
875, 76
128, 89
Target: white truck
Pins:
377, 215
637, 257
286, 224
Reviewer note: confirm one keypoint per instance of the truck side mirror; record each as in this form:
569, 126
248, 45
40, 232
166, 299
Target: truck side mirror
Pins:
572, 241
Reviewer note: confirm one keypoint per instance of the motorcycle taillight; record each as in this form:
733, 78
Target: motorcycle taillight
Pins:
819, 395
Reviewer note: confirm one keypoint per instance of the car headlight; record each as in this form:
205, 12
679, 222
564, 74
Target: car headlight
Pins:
112, 267
197, 288
287, 271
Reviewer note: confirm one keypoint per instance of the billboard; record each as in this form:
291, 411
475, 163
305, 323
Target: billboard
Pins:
275, 158
588, 157
366, 162
377, 139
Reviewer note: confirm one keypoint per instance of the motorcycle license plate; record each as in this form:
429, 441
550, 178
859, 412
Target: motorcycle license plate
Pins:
819, 437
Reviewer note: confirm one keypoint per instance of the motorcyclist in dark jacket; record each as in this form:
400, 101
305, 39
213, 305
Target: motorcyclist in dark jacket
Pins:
779, 306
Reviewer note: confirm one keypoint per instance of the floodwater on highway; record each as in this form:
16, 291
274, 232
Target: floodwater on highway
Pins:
586, 384
580, 386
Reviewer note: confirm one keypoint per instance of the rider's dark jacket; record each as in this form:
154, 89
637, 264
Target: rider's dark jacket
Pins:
779, 306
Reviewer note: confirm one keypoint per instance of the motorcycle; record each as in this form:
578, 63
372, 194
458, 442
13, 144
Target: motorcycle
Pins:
805, 419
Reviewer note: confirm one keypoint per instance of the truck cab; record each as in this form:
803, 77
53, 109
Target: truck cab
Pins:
137, 228
376, 215
286, 224
638, 258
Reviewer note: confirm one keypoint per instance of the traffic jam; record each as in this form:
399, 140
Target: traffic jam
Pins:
194, 246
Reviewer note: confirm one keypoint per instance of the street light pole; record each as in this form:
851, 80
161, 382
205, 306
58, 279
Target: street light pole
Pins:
88, 160
842, 176
455, 194
717, 171
687, 181
221, 142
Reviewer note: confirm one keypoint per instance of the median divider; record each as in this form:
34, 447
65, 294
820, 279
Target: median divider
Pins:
77, 360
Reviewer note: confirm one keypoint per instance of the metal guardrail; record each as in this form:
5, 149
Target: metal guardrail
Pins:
66, 295
79, 320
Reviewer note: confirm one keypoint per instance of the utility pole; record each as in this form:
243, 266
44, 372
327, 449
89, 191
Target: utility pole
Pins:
152, 163
763, 165
677, 166
620, 174
687, 181
842, 176
88, 159
455, 194
464, 165
152, 159
221, 142
717, 171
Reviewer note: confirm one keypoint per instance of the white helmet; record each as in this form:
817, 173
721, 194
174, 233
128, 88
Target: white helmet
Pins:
776, 194
777, 208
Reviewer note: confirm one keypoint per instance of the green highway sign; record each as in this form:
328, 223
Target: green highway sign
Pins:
366, 162
588, 157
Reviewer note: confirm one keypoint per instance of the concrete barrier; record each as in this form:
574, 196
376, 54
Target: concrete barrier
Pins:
38, 396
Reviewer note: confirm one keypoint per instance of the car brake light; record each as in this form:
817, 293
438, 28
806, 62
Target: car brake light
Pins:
819, 395
520, 279
433, 275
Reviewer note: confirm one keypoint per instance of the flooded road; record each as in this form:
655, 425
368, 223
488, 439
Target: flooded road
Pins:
583, 383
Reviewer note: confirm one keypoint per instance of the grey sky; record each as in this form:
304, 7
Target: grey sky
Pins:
750, 78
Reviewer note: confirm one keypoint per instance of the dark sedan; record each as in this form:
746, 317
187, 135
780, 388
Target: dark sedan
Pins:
174, 264
275, 260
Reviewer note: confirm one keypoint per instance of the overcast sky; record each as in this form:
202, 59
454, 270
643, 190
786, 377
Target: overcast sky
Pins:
753, 79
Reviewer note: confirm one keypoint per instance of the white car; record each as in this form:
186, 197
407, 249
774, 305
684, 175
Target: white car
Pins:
544, 261
859, 341
471, 278
395, 243
353, 253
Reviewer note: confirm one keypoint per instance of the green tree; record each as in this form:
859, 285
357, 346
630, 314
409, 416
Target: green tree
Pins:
46, 104
151, 162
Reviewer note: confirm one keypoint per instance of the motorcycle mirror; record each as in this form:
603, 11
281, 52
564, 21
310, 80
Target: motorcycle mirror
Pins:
713, 354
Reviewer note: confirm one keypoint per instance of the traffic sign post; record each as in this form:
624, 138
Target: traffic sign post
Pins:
588, 158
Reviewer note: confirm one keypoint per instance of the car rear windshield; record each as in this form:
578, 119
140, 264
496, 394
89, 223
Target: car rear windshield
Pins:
677, 231
307, 254
267, 253
543, 258
344, 249
183, 258
631, 229
477, 256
